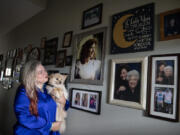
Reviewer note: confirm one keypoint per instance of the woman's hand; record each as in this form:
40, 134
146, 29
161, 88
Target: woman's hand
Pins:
61, 100
56, 126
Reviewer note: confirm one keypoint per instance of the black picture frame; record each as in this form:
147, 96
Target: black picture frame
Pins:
68, 61
50, 51
133, 30
92, 16
67, 39
86, 100
60, 58
163, 87
170, 25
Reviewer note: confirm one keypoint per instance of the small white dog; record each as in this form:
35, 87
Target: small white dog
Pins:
56, 88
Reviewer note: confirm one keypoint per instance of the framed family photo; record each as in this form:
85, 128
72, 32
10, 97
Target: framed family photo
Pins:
128, 82
164, 86
92, 16
86, 100
50, 50
67, 39
88, 58
170, 25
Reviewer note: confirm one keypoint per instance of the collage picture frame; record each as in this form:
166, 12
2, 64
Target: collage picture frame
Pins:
164, 87
86, 100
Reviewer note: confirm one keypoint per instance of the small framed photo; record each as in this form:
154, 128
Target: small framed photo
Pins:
60, 59
92, 16
67, 39
9, 67
164, 86
68, 60
128, 82
86, 100
170, 25
50, 51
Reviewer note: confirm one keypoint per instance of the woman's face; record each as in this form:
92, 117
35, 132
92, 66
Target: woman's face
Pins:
123, 74
161, 68
168, 72
41, 75
92, 51
133, 82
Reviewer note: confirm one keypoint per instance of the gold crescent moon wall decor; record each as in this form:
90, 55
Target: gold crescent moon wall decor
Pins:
118, 33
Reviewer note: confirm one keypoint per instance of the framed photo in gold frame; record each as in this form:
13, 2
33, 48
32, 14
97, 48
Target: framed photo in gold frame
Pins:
170, 25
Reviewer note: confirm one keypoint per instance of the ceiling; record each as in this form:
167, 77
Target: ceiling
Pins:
16, 12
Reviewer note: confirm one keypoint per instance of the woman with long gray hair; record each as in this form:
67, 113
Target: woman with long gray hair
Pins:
35, 109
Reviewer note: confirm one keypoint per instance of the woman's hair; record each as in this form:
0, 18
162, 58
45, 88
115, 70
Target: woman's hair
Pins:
133, 73
28, 80
168, 68
85, 50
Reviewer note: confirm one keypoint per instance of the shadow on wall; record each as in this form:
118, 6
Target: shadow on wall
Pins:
7, 116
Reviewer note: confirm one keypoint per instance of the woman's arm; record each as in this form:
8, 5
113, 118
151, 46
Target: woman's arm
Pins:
25, 118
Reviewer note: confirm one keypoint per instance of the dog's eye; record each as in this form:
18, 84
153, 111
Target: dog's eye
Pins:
57, 79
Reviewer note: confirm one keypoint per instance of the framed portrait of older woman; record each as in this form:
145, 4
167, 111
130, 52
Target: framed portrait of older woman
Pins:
164, 86
88, 58
128, 82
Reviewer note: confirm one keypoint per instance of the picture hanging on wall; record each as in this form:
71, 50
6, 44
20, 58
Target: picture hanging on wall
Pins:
34, 54
170, 25
88, 58
128, 82
68, 60
164, 86
60, 58
92, 16
86, 100
67, 39
50, 51
133, 30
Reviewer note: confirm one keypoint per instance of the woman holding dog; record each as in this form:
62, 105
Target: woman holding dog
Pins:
35, 109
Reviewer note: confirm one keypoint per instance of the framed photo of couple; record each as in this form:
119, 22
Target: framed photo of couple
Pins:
86, 100
88, 58
164, 86
128, 82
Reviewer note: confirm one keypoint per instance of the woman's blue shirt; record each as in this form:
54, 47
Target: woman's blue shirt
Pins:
28, 124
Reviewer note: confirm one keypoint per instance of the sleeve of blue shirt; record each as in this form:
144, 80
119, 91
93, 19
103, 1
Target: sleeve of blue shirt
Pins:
67, 105
25, 118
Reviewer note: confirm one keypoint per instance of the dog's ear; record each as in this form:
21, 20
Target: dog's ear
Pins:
65, 76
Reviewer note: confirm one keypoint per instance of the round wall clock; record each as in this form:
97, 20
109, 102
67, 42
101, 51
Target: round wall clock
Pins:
34, 54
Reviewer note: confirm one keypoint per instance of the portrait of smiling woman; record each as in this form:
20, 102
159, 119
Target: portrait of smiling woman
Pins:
34, 108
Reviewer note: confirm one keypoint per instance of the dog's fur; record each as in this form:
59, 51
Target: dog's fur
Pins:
56, 88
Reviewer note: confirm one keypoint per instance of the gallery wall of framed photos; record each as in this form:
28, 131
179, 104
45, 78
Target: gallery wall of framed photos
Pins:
135, 36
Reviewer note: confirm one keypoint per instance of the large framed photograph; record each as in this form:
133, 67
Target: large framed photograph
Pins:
170, 25
133, 30
60, 58
88, 58
50, 51
164, 86
92, 16
128, 83
86, 100
67, 39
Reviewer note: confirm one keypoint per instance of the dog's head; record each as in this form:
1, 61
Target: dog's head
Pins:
57, 79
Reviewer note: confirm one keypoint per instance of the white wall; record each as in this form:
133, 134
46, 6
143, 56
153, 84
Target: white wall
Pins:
65, 15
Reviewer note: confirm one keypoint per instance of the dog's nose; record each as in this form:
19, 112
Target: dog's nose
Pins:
60, 82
